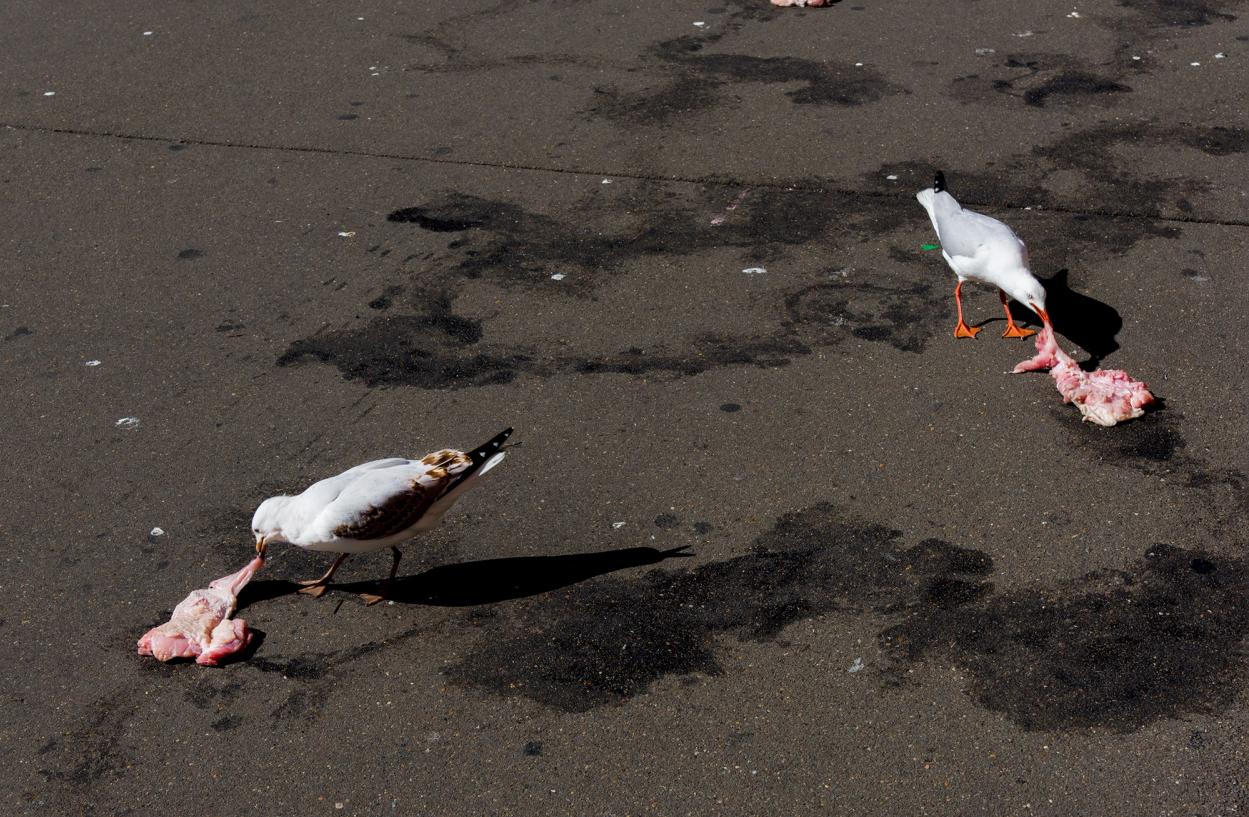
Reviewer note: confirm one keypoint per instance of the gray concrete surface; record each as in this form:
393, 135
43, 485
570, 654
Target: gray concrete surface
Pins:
295, 239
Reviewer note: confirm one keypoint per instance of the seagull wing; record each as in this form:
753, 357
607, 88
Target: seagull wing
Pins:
385, 501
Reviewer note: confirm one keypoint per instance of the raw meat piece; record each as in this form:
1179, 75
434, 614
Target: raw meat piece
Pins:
1104, 397
201, 627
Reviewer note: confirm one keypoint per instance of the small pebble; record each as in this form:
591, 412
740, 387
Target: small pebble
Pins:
1220, 56
559, 276
92, 363
157, 532
49, 93
346, 234
617, 525
891, 177
754, 270
127, 422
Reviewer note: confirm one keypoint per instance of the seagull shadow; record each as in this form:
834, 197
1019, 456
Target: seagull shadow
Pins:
484, 582
1086, 322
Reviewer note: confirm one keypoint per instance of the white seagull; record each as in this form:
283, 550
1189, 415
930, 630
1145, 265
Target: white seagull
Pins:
373, 506
982, 249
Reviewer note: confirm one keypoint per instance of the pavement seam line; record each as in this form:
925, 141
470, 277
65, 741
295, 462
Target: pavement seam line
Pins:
720, 182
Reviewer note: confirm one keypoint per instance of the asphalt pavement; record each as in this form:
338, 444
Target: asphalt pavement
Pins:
676, 246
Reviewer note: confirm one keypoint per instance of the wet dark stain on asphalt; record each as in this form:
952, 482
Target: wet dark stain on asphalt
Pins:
512, 245
605, 641
1116, 650
904, 317
1039, 80
655, 106
189, 253
1181, 13
436, 349
1154, 445
1072, 83
702, 79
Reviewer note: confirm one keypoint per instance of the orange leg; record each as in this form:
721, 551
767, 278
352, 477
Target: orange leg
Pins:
962, 330
1012, 331
373, 598
316, 587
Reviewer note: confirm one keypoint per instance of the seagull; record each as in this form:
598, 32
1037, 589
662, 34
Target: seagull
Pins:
982, 249
373, 506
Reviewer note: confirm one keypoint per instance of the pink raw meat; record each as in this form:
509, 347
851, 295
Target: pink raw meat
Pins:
201, 627
1105, 397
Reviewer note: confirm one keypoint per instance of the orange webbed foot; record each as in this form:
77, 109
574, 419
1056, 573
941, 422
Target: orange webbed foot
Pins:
965, 331
1013, 331
314, 590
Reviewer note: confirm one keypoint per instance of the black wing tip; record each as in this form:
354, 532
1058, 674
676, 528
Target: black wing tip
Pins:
938, 183
492, 446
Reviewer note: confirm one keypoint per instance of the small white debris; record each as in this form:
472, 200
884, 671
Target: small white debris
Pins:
858, 65
1195, 64
360, 19
157, 532
606, 181
1135, 57
892, 177
127, 422
617, 525
49, 93
375, 74
559, 276
983, 51
91, 363
700, 24
1220, 56
346, 233
148, 33
1074, 14
754, 270
1027, 33
856, 666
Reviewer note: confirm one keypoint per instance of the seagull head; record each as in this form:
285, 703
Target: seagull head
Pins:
266, 522
1029, 292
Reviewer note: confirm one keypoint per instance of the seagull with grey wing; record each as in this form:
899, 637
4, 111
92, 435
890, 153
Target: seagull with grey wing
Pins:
980, 248
373, 506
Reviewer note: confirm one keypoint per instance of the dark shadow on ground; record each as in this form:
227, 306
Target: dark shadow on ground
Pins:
487, 581
1086, 322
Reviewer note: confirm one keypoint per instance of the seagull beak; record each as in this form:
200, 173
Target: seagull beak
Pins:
1045, 318
261, 545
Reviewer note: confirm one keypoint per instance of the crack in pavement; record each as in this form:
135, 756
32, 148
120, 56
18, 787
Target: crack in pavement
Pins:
717, 181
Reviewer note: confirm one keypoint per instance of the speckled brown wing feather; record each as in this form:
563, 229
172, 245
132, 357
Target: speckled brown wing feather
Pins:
396, 514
